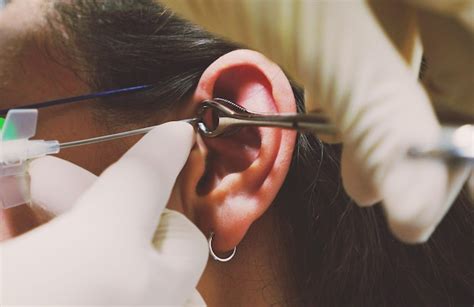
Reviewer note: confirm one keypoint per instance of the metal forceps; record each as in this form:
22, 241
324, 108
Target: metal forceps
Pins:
221, 117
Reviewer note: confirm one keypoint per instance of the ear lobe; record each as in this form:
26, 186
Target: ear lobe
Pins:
230, 181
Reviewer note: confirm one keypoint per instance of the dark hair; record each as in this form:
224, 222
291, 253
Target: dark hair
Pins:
341, 255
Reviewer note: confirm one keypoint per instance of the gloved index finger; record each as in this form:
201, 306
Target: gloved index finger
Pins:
131, 194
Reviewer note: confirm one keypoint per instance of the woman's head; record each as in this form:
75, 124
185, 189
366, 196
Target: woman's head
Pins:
332, 252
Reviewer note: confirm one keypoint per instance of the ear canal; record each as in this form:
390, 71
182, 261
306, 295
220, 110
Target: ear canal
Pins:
229, 154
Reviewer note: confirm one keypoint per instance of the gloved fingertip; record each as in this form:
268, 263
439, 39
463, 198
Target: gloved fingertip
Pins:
182, 131
412, 226
357, 186
177, 131
415, 194
410, 234
361, 196
170, 142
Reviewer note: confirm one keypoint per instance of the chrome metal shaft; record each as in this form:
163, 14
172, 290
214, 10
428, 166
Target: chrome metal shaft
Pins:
114, 136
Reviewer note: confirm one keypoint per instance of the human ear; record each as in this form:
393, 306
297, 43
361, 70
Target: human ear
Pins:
230, 181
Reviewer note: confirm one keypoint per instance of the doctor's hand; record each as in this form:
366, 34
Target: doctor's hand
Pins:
351, 70
99, 251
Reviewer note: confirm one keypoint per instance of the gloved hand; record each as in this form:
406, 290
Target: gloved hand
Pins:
100, 251
351, 70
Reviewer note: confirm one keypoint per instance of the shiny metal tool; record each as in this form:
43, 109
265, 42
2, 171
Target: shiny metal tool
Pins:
221, 117
218, 117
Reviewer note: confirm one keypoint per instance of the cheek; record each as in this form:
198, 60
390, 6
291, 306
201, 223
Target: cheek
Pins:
75, 122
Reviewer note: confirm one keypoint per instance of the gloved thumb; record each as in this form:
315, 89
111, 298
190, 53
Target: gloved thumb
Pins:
56, 184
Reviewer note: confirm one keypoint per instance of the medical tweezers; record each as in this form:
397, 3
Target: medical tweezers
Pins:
115, 136
221, 117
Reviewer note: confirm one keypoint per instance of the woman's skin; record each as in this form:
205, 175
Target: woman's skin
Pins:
255, 277
27, 76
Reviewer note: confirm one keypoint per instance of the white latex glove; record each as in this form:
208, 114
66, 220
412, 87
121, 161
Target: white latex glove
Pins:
100, 252
351, 70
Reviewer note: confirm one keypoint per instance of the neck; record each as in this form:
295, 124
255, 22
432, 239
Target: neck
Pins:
256, 276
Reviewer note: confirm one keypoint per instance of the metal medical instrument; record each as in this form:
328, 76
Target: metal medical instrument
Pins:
215, 118
220, 117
